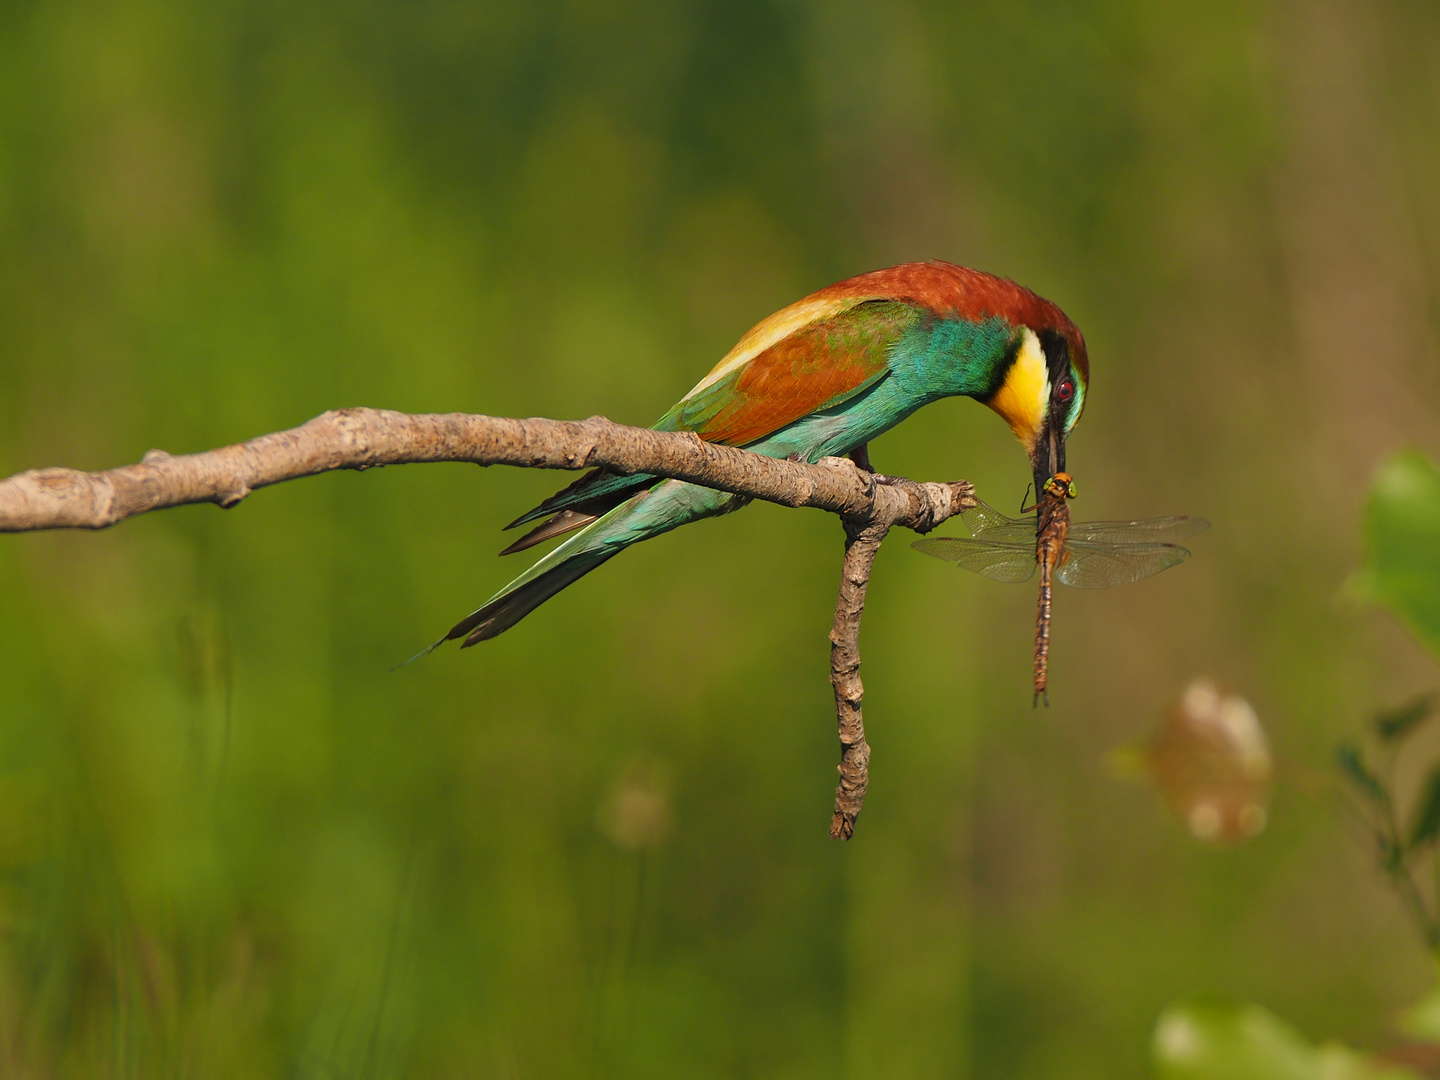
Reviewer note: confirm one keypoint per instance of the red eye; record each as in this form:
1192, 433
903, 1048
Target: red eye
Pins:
1065, 391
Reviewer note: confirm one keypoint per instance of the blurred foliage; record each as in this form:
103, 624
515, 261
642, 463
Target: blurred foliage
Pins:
1402, 533
233, 842
1220, 1042
1400, 840
1402, 537
1228, 1042
1422, 1021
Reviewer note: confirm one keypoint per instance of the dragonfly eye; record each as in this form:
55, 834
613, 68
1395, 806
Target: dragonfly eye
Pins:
1065, 391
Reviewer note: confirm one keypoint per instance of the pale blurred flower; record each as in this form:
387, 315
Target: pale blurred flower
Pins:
1210, 763
637, 813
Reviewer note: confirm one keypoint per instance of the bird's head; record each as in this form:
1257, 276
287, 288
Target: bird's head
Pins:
1034, 372
1041, 394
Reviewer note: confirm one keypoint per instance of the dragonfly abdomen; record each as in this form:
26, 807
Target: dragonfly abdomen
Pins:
1042, 633
1052, 528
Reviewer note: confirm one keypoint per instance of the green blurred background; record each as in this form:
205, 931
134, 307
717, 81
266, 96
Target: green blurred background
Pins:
233, 842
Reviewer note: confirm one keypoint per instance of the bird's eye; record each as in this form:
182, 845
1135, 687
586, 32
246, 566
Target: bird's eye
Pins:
1065, 391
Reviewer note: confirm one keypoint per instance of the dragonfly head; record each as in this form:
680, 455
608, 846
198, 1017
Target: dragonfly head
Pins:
1061, 485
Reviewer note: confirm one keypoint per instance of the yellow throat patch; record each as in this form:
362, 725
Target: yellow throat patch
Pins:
1022, 399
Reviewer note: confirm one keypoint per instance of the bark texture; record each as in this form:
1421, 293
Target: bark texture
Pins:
869, 505
862, 544
366, 438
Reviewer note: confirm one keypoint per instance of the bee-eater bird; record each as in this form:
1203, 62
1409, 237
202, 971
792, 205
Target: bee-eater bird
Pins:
823, 377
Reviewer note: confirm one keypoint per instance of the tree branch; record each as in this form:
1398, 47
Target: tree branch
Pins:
366, 438
862, 544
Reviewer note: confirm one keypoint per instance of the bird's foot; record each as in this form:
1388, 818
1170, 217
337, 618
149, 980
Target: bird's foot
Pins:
861, 457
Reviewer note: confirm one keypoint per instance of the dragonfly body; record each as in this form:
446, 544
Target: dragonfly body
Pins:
1084, 555
1052, 527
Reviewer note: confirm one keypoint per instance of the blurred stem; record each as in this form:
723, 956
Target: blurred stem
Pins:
1395, 857
1435, 879
1399, 870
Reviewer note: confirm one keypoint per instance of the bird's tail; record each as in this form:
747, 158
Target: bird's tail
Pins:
527, 592
663, 507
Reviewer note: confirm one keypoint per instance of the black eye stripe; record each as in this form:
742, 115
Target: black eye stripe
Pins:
1057, 353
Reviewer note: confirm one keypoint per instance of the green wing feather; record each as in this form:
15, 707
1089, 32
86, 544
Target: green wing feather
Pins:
816, 367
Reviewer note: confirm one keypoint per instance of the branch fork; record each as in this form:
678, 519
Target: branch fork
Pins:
868, 505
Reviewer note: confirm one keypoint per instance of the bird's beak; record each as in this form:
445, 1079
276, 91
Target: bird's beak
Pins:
1049, 456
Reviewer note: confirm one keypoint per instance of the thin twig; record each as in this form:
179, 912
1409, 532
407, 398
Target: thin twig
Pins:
863, 536
862, 543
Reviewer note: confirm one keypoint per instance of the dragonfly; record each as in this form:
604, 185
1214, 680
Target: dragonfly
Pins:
1083, 555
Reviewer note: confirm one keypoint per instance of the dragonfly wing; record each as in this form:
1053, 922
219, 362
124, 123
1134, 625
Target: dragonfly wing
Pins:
1149, 530
989, 524
1000, 562
1087, 565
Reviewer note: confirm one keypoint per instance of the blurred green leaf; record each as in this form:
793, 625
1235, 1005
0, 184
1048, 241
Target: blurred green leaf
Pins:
1347, 756
1427, 813
1422, 1020
1393, 724
1245, 1042
1402, 537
